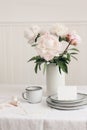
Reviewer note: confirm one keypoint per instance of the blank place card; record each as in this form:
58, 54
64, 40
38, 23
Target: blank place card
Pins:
67, 93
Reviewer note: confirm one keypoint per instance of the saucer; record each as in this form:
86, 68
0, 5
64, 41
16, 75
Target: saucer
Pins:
80, 98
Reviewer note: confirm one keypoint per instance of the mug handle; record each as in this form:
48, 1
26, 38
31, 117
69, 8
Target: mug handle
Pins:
23, 95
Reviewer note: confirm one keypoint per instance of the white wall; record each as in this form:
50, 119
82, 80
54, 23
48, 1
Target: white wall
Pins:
43, 10
17, 15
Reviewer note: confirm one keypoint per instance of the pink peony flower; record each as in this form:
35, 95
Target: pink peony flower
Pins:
48, 46
73, 38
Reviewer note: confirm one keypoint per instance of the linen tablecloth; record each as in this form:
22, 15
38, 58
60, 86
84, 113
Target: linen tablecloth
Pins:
41, 117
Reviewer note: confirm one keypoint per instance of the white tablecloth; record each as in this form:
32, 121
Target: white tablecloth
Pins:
41, 117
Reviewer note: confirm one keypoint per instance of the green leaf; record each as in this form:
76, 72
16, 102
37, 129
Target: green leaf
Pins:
37, 37
59, 69
62, 38
73, 53
36, 68
74, 49
34, 45
74, 57
33, 58
67, 59
39, 66
68, 56
63, 66
38, 61
64, 59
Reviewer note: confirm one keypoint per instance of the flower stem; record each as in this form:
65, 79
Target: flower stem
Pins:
66, 49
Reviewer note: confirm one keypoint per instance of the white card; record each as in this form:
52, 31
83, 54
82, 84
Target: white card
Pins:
67, 93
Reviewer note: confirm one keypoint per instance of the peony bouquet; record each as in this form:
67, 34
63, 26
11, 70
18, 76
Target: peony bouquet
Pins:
54, 45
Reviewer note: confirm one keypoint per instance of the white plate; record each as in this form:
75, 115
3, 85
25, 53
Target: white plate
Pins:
66, 108
49, 101
80, 98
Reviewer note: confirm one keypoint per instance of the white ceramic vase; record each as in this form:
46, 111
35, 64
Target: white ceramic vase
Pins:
54, 79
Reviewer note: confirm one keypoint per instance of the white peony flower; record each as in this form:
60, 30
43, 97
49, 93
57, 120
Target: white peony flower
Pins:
28, 34
48, 46
35, 29
44, 31
32, 33
59, 30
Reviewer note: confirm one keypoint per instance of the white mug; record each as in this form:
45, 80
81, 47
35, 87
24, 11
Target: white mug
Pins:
33, 94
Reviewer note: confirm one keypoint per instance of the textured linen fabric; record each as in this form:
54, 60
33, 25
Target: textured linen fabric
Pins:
64, 125
40, 117
20, 124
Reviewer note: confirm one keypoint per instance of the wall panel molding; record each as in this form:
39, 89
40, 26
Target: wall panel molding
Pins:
41, 22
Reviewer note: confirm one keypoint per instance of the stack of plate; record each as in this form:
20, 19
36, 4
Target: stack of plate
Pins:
80, 102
